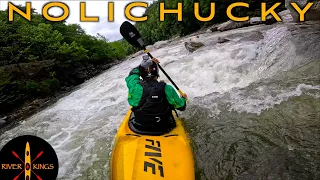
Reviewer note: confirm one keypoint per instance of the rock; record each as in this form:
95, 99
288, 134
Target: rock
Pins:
269, 20
252, 21
212, 29
254, 36
222, 40
192, 46
232, 25
312, 14
255, 21
2, 123
160, 44
285, 16
4, 118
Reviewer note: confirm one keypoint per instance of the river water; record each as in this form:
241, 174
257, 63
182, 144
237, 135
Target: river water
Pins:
253, 113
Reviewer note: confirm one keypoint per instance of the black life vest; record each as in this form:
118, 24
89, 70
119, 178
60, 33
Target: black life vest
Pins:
154, 108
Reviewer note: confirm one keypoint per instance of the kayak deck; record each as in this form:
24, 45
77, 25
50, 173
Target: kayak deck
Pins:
144, 157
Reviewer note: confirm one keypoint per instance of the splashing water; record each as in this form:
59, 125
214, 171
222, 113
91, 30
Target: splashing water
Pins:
254, 102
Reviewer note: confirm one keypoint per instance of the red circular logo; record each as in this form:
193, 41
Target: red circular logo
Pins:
28, 157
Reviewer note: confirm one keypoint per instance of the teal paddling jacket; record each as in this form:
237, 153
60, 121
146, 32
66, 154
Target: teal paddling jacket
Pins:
136, 91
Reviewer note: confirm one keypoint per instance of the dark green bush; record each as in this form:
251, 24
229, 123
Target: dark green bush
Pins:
32, 88
49, 87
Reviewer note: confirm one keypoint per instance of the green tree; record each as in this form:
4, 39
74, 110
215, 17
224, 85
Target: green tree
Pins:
70, 53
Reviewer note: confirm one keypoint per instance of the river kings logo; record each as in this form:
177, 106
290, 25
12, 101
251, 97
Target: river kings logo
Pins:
28, 158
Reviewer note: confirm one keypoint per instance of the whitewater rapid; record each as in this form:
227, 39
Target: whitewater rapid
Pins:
218, 78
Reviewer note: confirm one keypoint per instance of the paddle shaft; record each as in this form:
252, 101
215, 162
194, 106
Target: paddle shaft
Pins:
164, 72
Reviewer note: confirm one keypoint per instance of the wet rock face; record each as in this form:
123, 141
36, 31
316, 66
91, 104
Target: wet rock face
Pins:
160, 44
252, 21
232, 25
254, 36
2, 123
212, 29
222, 40
192, 46
286, 16
312, 14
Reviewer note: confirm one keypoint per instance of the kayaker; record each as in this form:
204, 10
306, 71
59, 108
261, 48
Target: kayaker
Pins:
152, 101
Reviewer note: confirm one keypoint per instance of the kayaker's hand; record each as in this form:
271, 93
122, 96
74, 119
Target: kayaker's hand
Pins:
184, 96
155, 60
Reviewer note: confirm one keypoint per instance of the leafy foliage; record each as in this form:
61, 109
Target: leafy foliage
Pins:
26, 48
22, 41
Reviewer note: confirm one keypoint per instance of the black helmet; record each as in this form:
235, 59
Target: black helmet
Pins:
148, 68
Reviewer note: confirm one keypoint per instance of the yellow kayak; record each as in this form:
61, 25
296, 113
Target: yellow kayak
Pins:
146, 157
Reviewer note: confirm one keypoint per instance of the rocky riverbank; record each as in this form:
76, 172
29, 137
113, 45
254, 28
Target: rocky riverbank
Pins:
39, 85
